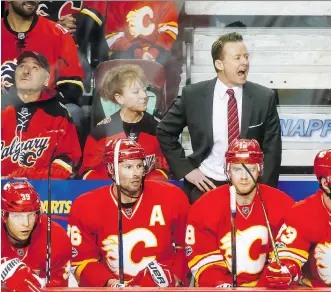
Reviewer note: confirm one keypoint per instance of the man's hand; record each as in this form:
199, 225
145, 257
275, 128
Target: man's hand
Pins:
17, 276
197, 178
178, 282
68, 22
281, 276
148, 56
114, 283
155, 275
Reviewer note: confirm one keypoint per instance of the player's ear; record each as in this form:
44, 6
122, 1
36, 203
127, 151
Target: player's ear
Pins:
46, 79
324, 184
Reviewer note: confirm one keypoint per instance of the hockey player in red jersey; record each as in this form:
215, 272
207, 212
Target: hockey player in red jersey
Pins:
23, 242
153, 226
37, 132
306, 244
126, 86
208, 232
23, 30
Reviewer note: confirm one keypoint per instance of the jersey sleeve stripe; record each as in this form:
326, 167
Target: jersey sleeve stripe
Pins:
78, 83
197, 274
289, 255
169, 29
92, 15
81, 266
205, 262
198, 258
112, 38
87, 174
63, 164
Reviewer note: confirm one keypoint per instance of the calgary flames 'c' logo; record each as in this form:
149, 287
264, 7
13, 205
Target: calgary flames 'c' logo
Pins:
8, 74
46, 8
130, 241
140, 22
322, 255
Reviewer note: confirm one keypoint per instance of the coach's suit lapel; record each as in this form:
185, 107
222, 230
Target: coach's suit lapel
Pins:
247, 110
207, 105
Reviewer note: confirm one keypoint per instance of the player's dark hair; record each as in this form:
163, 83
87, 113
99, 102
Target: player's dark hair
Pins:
218, 45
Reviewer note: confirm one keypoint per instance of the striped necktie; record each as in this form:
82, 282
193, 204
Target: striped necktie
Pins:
233, 120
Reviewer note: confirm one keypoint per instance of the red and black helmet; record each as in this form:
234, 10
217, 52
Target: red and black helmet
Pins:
128, 150
19, 197
322, 165
244, 151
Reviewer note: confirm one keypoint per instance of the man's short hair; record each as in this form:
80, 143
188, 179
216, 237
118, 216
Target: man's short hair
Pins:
218, 45
117, 78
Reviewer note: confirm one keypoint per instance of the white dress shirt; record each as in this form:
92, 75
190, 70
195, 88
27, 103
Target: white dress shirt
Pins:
213, 165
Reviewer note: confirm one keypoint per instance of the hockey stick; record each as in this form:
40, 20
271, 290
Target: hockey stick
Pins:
265, 216
49, 219
233, 207
119, 205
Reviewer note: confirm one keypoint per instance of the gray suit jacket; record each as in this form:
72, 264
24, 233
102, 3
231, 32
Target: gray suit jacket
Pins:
194, 109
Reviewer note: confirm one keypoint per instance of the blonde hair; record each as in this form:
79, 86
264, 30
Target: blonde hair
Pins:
117, 78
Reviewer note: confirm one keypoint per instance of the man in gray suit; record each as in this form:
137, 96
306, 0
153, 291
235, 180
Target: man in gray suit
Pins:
216, 112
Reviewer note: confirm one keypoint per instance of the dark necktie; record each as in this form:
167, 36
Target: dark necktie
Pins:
233, 120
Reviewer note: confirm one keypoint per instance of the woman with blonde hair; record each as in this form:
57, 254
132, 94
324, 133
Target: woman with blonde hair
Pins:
126, 86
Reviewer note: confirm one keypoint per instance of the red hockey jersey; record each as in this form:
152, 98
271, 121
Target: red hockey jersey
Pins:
49, 39
208, 236
34, 255
147, 24
308, 242
35, 134
151, 230
143, 132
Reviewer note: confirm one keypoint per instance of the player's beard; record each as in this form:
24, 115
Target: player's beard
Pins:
246, 193
24, 13
132, 192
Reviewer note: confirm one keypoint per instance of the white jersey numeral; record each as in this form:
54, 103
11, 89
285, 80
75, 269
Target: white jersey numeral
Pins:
190, 235
75, 235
